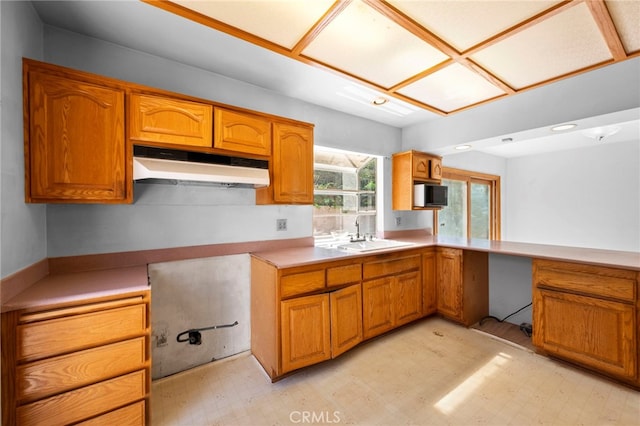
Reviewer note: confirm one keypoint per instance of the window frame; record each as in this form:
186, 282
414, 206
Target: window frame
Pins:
470, 177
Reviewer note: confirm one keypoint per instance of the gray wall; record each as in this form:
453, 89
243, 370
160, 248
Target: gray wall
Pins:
168, 215
22, 226
588, 197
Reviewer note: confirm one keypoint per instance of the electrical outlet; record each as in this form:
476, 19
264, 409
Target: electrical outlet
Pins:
398, 220
281, 224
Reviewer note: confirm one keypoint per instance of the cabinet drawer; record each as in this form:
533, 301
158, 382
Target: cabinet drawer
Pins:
50, 376
389, 267
587, 279
131, 415
344, 275
301, 283
83, 403
63, 335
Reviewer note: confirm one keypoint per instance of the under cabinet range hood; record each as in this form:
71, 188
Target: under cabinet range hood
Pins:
171, 164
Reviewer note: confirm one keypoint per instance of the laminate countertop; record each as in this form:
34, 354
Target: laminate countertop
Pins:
287, 258
63, 289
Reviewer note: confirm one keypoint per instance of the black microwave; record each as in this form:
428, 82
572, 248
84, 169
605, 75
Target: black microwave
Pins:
430, 195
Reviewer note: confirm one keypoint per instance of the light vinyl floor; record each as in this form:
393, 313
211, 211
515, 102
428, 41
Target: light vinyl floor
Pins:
432, 372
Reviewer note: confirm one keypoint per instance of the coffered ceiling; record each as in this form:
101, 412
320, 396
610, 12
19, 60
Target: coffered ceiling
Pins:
442, 56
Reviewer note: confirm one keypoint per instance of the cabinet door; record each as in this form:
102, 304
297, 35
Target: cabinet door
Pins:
420, 166
435, 168
594, 332
170, 121
346, 319
377, 309
292, 166
407, 298
449, 272
429, 283
76, 143
239, 132
305, 331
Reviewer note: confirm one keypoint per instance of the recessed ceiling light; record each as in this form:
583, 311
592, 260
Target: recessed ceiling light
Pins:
463, 147
563, 127
380, 101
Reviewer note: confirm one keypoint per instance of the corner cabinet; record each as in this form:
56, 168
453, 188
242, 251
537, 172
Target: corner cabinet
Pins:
291, 166
588, 315
462, 285
409, 168
87, 362
74, 135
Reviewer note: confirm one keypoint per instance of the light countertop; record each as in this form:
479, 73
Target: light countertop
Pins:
61, 289
286, 258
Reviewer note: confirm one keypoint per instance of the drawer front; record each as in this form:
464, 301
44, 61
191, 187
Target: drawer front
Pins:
344, 275
587, 279
64, 335
48, 377
131, 415
83, 403
301, 283
389, 267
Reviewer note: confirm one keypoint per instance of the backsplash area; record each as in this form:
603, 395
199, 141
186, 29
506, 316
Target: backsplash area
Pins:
199, 294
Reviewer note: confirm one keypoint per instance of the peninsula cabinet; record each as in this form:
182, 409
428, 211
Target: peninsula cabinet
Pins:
74, 137
391, 292
291, 166
165, 120
241, 132
429, 282
462, 285
588, 315
409, 168
71, 363
304, 315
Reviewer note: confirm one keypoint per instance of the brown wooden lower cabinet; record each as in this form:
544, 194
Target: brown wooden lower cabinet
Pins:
462, 284
83, 362
588, 315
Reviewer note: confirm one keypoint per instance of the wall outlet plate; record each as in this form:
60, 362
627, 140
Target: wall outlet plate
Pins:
281, 224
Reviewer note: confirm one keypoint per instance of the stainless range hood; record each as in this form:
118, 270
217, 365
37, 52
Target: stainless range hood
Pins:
161, 163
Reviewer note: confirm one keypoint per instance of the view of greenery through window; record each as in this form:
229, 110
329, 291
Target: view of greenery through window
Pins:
469, 210
344, 190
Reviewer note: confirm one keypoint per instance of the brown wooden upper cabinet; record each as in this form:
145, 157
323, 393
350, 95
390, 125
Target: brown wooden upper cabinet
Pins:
75, 147
291, 166
170, 121
241, 132
409, 168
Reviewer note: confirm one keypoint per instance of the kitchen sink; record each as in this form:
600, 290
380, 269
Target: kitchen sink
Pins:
371, 245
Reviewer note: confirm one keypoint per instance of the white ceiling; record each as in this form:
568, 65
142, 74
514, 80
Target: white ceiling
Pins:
143, 27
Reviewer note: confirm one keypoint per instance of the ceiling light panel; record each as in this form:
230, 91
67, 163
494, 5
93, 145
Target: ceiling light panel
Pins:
626, 17
464, 24
283, 22
451, 88
566, 42
364, 43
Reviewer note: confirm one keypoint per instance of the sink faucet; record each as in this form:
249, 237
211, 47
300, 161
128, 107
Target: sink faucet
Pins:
357, 236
